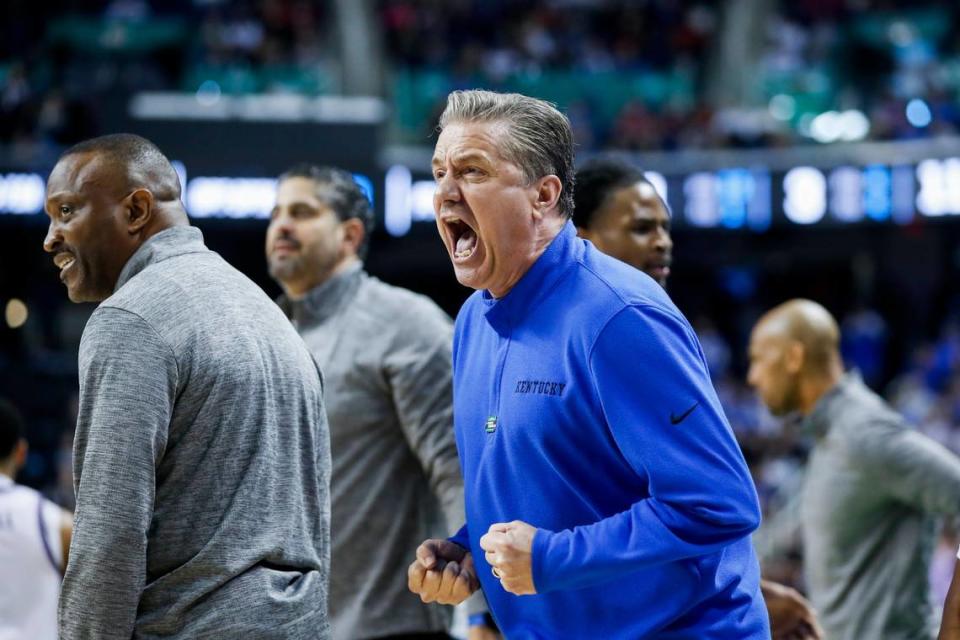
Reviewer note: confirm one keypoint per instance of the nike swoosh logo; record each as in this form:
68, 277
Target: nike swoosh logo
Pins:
675, 419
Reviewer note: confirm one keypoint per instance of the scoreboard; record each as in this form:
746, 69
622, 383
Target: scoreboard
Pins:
752, 199
756, 198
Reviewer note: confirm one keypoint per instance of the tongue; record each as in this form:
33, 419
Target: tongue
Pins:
467, 240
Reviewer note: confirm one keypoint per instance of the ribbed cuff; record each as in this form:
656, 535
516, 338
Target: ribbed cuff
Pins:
538, 560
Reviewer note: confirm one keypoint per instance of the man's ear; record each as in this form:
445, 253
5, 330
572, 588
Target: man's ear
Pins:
794, 357
139, 210
353, 234
548, 194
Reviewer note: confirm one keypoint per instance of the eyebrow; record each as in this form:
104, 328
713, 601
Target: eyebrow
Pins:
470, 156
462, 158
305, 203
53, 198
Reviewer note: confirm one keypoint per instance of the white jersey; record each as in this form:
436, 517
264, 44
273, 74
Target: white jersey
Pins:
30, 560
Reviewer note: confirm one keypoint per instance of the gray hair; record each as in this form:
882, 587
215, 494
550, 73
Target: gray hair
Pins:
540, 140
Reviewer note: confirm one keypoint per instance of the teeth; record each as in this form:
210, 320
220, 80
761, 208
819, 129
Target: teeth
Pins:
462, 254
63, 261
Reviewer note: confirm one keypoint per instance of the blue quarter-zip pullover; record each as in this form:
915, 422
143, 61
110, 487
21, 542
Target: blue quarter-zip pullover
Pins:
583, 406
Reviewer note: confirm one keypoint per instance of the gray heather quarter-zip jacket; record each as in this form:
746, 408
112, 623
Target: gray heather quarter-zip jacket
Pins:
872, 490
201, 460
385, 356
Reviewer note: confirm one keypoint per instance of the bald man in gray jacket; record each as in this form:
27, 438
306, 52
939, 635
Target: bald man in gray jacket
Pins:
874, 487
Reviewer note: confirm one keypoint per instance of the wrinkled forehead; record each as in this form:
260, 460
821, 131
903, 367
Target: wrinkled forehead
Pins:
465, 138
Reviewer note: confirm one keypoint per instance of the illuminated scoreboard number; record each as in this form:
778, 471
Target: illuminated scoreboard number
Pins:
903, 188
730, 198
857, 193
700, 200
804, 195
876, 192
938, 192
849, 194
846, 200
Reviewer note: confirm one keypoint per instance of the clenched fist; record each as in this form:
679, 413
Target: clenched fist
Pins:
507, 548
443, 572
791, 615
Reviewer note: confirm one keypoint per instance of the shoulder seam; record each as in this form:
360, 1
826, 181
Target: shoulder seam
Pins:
162, 276
627, 306
163, 340
620, 297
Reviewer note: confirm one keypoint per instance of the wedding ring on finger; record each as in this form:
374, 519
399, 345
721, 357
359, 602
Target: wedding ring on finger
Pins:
495, 572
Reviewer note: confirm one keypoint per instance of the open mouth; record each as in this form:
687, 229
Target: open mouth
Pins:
64, 261
463, 238
659, 269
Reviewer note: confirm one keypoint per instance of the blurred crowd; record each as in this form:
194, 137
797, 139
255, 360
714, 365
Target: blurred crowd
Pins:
68, 67
644, 75
635, 75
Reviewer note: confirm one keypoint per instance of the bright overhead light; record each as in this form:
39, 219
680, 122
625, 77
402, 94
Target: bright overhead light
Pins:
832, 126
918, 113
16, 313
209, 93
826, 127
782, 107
854, 125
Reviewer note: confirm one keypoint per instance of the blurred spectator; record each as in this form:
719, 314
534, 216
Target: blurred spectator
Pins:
863, 343
820, 55
635, 71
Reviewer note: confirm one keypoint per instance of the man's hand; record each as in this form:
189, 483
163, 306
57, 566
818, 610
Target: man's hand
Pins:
443, 572
791, 615
507, 547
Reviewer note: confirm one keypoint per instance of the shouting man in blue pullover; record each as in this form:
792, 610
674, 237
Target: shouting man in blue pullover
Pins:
605, 494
